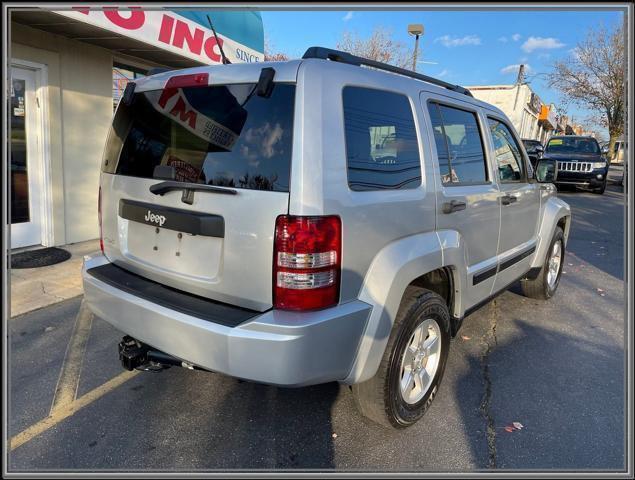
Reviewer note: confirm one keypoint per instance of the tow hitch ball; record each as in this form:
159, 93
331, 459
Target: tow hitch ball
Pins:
136, 355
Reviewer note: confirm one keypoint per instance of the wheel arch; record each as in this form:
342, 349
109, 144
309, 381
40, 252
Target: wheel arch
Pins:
415, 260
556, 213
443, 281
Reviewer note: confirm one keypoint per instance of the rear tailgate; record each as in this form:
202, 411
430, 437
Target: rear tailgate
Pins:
214, 242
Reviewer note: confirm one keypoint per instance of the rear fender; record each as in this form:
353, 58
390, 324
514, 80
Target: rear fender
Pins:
554, 210
390, 272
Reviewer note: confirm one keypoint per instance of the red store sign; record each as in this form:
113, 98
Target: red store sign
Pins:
166, 30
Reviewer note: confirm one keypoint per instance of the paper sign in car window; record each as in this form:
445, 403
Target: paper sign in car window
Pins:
172, 103
555, 141
184, 171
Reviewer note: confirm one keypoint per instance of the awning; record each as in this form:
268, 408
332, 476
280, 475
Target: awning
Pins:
547, 117
160, 36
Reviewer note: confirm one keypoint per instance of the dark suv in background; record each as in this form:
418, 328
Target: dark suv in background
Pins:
580, 162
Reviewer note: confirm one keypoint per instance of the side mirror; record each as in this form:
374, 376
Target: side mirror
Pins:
546, 171
605, 149
539, 151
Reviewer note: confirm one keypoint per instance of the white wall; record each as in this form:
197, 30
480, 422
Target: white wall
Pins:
80, 110
512, 100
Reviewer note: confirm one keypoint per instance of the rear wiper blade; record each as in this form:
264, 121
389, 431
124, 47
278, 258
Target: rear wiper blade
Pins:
169, 185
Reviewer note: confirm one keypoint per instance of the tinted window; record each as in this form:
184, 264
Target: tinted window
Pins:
221, 135
381, 140
459, 145
572, 145
509, 160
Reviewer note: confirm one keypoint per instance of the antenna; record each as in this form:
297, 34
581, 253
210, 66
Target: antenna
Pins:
220, 46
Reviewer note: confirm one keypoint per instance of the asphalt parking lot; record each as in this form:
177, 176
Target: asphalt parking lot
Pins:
556, 367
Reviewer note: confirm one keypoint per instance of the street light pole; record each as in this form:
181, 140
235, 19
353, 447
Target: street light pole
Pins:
415, 29
414, 56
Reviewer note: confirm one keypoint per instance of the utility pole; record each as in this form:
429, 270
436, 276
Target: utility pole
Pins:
415, 29
519, 81
521, 74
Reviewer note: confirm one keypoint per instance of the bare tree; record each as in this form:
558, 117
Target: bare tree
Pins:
596, 121
270, 55
276, 57
380, 47
594, 77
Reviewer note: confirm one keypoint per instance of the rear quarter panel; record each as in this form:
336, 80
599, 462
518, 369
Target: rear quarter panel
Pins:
319, 185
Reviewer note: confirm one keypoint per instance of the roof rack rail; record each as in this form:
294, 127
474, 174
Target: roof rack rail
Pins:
344, 57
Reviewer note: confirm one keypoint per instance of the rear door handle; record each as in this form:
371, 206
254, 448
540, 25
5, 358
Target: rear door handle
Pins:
453, 206
508, 199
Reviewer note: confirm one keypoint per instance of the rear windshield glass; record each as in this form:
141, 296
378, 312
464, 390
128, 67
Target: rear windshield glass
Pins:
572, 145
220, 135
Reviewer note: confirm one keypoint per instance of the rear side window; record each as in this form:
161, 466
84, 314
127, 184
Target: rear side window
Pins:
459, 145
382, 152
219, 135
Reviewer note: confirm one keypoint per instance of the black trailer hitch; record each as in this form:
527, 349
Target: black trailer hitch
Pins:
135, 355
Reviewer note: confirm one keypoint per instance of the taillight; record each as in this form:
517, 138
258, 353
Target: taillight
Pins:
307, 261
101, 235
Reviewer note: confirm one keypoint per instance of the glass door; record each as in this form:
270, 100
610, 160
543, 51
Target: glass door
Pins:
25, 195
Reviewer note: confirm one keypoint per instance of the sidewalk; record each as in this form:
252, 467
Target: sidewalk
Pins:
615, 173
33, 288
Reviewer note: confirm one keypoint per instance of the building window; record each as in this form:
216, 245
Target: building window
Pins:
459, 145
382, 152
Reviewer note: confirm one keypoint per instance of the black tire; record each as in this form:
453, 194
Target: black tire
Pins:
600, 191
379, 398
539, 287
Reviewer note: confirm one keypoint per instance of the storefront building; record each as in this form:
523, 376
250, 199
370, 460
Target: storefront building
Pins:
547, 122
521, 105
67, 70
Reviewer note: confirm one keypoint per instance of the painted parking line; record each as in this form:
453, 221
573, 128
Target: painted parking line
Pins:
64, 402
66, 410
68, 381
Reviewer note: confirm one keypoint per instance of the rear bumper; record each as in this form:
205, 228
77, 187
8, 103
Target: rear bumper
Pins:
274, 347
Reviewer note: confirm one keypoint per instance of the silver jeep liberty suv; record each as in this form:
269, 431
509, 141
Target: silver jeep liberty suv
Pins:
315, 220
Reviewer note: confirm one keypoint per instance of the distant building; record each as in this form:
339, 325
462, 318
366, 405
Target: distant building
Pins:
547, 122
520, 104
565, 126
